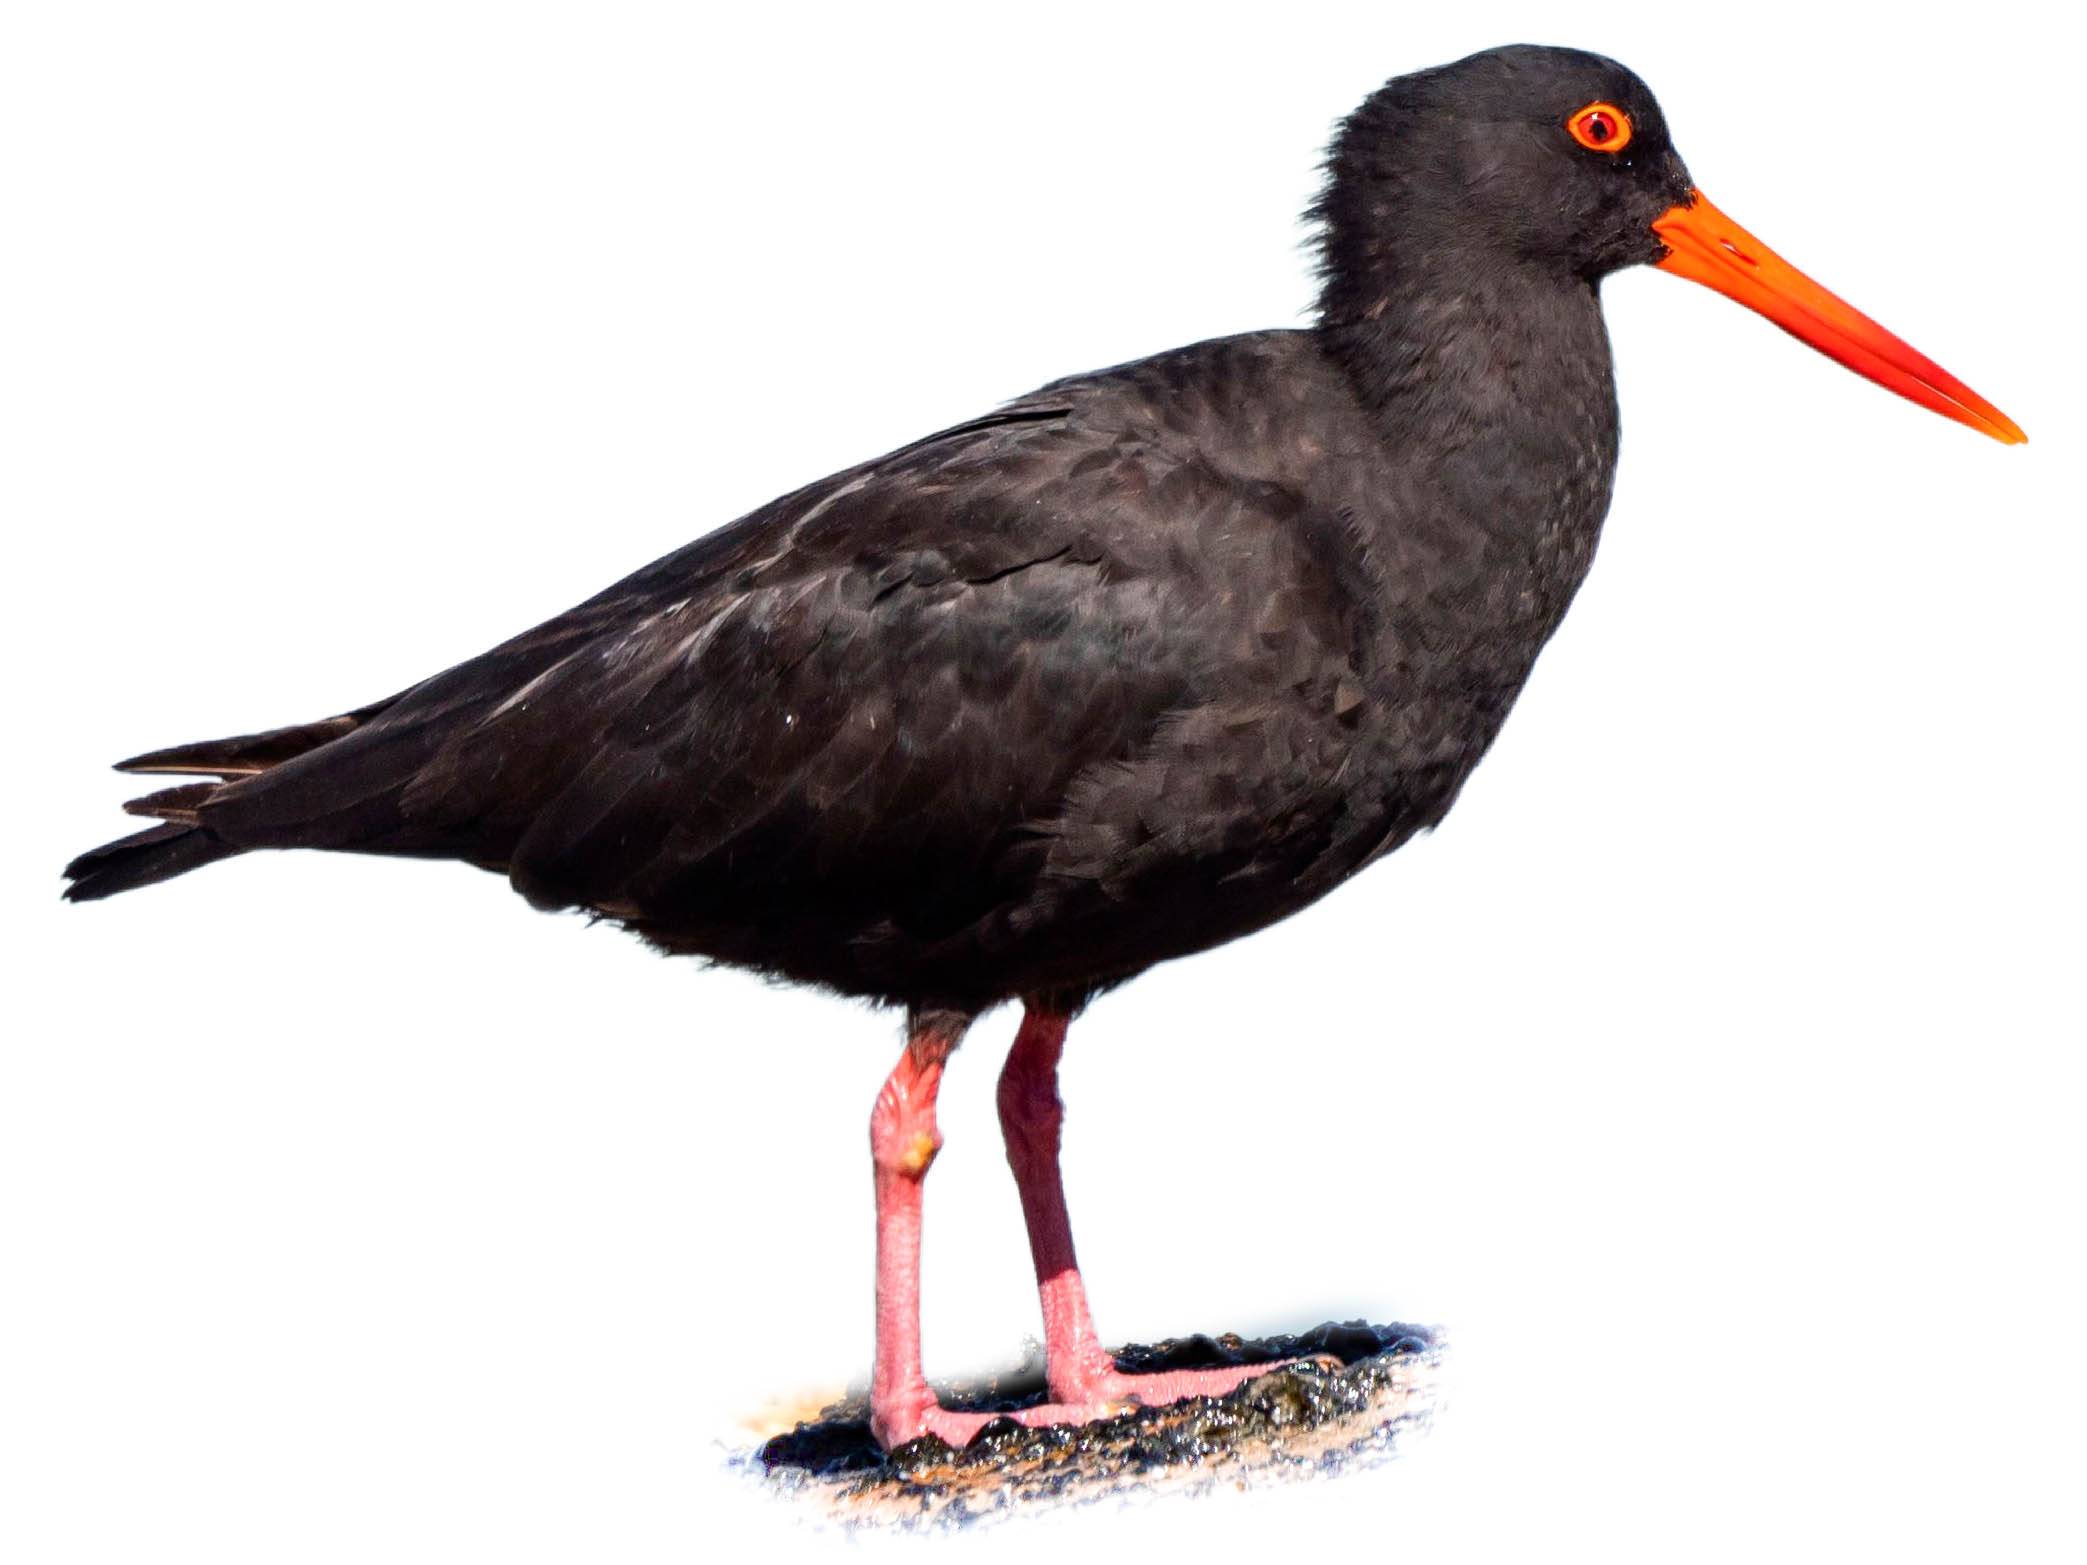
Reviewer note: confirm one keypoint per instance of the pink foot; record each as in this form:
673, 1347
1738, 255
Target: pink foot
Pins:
1106, 1383
1097, 1393
893, 1427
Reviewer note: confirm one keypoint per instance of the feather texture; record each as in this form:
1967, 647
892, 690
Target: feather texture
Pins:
1130, 667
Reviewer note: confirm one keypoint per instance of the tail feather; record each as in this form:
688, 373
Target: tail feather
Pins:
183, 842
246, 754
154, 854
180, 803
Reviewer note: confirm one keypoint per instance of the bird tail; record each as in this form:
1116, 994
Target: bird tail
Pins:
155, 854
181, 841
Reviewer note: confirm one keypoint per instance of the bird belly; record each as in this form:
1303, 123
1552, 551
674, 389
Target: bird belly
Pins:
1217, 833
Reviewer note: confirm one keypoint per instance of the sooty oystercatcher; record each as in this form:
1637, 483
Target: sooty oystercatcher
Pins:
1132, 666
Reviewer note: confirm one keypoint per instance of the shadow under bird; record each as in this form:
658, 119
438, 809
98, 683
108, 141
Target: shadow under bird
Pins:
1133, 666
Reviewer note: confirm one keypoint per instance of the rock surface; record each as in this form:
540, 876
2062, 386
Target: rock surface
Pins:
1306, 1419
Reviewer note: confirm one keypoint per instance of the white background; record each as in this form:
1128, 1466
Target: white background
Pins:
1713, 1075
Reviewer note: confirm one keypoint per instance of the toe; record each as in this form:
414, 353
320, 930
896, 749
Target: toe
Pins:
1175, 1385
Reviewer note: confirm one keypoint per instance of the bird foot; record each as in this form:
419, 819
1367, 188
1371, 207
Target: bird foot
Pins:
1157, 1389
1091, 1396
959, 1429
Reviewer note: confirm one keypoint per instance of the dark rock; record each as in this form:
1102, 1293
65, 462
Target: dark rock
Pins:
1308, 1418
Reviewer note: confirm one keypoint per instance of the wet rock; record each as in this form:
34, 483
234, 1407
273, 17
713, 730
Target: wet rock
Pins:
1307, 1419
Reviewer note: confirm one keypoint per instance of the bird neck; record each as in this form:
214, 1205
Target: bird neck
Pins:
1466, 334
1489, 392
1488, 382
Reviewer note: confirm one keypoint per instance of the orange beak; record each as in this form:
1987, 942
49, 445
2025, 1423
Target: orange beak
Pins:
1707, 247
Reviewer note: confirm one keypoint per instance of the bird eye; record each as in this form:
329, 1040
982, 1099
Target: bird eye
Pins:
1600, 127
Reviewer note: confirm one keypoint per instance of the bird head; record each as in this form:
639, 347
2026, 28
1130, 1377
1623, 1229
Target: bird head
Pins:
1560, 160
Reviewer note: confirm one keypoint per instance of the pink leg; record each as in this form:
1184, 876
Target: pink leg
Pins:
903, 1144
1084, 1380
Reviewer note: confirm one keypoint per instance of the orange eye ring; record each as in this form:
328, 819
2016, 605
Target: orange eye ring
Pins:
1600, 127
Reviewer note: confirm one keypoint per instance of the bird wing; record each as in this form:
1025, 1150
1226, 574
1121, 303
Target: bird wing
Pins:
867, 685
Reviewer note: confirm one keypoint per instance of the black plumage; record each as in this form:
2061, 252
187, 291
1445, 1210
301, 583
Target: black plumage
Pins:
1135, 665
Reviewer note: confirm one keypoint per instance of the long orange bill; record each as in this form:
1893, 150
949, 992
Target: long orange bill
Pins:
1707, 247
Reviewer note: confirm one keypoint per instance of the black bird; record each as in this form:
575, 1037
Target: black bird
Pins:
1133, 666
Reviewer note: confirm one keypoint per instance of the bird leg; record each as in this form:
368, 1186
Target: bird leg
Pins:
1085, 1383
1082, 1375
903, 1144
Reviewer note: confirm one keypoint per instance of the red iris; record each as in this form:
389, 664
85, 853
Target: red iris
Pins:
1600, 127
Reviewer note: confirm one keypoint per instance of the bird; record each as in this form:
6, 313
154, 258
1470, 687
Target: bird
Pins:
1124, 669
